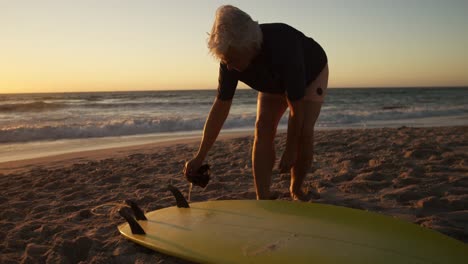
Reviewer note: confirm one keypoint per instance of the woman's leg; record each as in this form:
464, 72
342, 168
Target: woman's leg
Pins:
313, 100
306, 151
270, 109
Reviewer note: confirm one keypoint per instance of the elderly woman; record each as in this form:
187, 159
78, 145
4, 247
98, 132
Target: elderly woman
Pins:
288, 69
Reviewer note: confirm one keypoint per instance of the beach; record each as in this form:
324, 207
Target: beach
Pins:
57, 209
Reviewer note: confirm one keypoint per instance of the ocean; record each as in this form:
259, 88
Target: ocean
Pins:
36, 119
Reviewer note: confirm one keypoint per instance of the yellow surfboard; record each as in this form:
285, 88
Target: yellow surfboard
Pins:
249, 231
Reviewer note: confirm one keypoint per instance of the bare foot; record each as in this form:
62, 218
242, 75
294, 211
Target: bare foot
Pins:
274, 195
271, 196
300, 195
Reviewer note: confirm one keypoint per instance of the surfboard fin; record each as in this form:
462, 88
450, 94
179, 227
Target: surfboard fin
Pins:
180, 199
125, 212
139, 215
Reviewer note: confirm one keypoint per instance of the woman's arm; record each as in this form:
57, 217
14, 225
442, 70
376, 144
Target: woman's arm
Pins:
214, 122
218, 114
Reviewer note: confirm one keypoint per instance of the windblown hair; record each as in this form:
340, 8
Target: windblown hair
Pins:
233, 28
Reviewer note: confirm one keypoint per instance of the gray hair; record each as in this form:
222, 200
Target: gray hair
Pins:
233, 28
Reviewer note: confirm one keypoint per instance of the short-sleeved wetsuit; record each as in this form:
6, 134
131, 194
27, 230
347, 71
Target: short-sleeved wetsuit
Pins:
286, 63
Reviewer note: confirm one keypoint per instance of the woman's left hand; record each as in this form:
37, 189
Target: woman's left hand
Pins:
288, 159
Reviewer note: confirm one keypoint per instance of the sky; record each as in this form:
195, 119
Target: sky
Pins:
89, 45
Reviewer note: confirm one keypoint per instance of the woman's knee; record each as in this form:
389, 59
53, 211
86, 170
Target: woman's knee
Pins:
265, 130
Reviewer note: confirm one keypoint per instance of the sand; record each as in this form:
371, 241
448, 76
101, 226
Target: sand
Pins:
46, 206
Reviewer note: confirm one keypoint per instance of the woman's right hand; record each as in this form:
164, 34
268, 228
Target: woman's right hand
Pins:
192, 166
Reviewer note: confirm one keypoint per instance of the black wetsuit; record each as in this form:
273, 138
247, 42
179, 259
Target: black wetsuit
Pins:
287, 62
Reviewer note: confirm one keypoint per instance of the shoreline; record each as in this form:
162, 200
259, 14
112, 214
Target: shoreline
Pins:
16, 155
115, 150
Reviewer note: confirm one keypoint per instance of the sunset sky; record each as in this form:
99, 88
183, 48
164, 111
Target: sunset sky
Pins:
89, 45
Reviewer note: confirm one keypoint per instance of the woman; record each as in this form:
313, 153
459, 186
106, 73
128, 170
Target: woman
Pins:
289, 70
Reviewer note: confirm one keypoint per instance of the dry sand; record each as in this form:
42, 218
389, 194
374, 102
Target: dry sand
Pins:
416, 174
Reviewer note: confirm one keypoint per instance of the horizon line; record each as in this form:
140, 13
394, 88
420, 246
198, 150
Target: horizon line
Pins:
240, 88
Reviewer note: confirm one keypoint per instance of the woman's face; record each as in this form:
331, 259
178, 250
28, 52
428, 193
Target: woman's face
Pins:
237, 59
